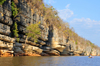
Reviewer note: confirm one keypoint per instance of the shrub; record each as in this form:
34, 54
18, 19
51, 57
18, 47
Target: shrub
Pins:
33, 31
14, 9
2, 1
15, 31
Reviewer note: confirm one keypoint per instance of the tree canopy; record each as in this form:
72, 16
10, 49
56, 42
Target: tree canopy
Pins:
33, 31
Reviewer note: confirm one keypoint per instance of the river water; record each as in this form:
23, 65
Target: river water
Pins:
50, 61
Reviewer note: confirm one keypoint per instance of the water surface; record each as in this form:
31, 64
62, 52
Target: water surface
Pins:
50, 61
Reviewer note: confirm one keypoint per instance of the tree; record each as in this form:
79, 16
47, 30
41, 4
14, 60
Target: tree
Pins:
15, 31
33, 32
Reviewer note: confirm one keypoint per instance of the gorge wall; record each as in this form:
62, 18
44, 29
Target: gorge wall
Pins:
51, 42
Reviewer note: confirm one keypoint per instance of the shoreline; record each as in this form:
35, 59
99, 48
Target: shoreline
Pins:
23, 55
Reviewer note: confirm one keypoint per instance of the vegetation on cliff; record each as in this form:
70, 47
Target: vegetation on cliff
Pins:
51, 18
14, 9
2, 1
33, 31
14, 14
15, 31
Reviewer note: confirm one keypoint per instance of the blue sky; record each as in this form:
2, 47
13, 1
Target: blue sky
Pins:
82, 15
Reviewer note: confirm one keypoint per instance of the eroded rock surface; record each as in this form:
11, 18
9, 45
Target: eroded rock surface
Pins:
51, 42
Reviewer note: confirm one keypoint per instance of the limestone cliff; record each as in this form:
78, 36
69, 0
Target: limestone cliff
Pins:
51, 42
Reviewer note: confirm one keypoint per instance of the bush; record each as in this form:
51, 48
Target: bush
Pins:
14, 9
2, 1
33, 31
15, 31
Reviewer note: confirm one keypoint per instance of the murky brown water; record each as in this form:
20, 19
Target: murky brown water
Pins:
50, 61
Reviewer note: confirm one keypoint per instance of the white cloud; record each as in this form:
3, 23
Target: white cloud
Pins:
67, 5
65, 13
85, 22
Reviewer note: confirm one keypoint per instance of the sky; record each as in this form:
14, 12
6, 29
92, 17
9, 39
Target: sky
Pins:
82, 15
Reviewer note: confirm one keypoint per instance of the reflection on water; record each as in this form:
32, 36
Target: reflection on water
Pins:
50, 61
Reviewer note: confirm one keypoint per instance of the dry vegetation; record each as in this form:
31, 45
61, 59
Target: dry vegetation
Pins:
51, 18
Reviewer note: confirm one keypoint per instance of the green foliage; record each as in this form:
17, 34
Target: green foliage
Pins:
14, 9
15, 31
2, 1
44, 7
76, 42
87, 43
33, 31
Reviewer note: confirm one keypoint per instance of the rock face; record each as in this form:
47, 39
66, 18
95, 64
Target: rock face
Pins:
25, 17
70, 48
73, 49
51, 42
56, 40
6, 42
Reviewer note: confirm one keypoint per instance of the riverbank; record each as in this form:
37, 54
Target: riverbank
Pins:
14, 55
25, 54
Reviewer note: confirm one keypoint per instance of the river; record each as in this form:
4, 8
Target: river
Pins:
50, 61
